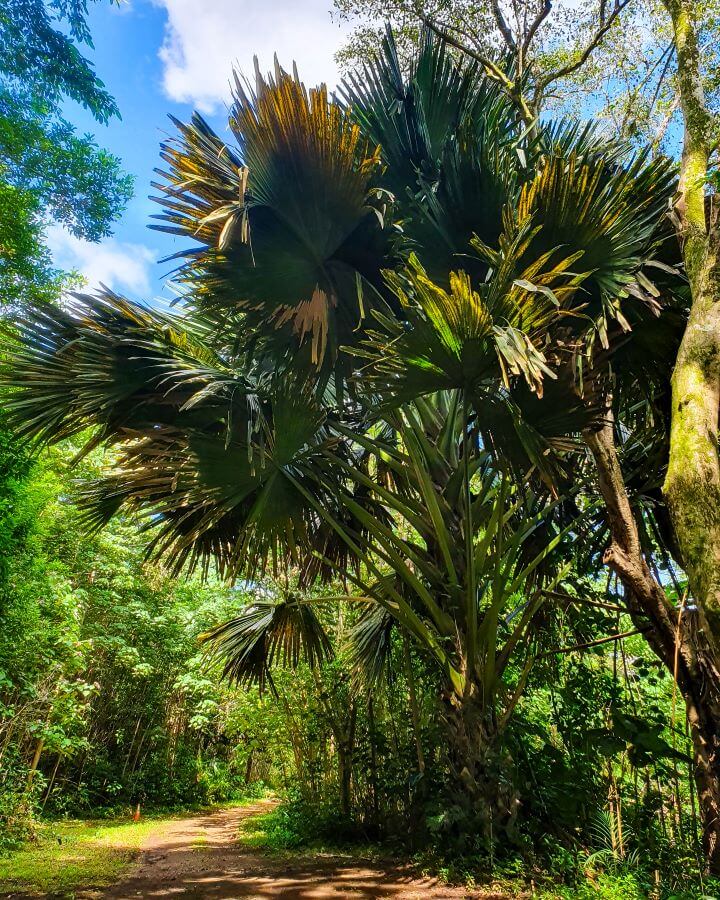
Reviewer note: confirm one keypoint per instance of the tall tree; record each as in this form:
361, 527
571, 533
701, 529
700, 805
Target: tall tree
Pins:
47, 170
692, 484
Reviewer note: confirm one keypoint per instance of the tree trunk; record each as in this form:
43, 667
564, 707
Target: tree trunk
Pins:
373, 763
35, 762
684, 642
345, 778
412, 696
343, 731
346, 752
692, 484
481, 773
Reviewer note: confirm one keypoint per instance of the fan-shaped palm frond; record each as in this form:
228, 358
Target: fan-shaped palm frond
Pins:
450, 140
412, 115
479, 339
105, 361
370, 646
214, 498
465, 172
216, 462
291, 226
607, 213
267, 634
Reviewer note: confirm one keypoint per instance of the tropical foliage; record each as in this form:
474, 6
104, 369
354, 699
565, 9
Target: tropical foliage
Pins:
336, 397
356, 458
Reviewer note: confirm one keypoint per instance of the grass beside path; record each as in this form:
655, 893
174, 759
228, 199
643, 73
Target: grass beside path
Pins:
74, 855
68, 856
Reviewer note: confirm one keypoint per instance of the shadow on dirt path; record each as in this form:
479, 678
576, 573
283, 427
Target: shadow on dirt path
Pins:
201, 857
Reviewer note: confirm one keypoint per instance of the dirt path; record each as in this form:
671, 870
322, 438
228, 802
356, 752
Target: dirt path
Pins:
200, 857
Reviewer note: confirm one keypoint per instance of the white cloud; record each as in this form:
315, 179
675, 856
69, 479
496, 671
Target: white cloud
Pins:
118, 265
203, 41
122, 7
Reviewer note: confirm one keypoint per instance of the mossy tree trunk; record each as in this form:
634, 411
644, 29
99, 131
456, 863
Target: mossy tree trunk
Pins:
692, 485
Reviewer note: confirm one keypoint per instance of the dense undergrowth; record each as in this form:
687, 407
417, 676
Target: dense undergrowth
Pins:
105, 701
552, 871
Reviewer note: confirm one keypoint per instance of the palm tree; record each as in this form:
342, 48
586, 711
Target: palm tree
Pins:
399, 314
450, 550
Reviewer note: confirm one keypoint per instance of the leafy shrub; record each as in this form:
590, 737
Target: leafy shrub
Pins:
297, 823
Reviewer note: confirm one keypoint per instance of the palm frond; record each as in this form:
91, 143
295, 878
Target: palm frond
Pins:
370, 646
606, 212
265, 635
105, 361
470, 335
214, 462
449, 138
292, 231
213, 497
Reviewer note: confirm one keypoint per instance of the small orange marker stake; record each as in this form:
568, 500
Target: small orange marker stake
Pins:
136, 814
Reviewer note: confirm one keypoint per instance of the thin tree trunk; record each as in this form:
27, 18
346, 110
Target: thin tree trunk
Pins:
51, 782
346, 752
296, 743
344, 776
373, 762
414, 710
131, 747
35, 761
686, 647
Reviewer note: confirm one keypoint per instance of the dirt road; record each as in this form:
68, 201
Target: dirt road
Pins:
200, 857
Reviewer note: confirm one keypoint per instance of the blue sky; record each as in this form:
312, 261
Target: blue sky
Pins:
172, 56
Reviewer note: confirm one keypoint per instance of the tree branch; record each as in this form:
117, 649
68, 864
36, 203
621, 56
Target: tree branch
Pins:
568, 69
491, 69
596, 643
503, 26
536, 23
556, 595
663, 126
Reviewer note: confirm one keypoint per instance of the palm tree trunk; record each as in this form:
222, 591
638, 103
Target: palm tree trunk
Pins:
480, 770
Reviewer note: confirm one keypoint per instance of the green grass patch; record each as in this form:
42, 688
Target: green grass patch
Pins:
255, 831
67, 856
